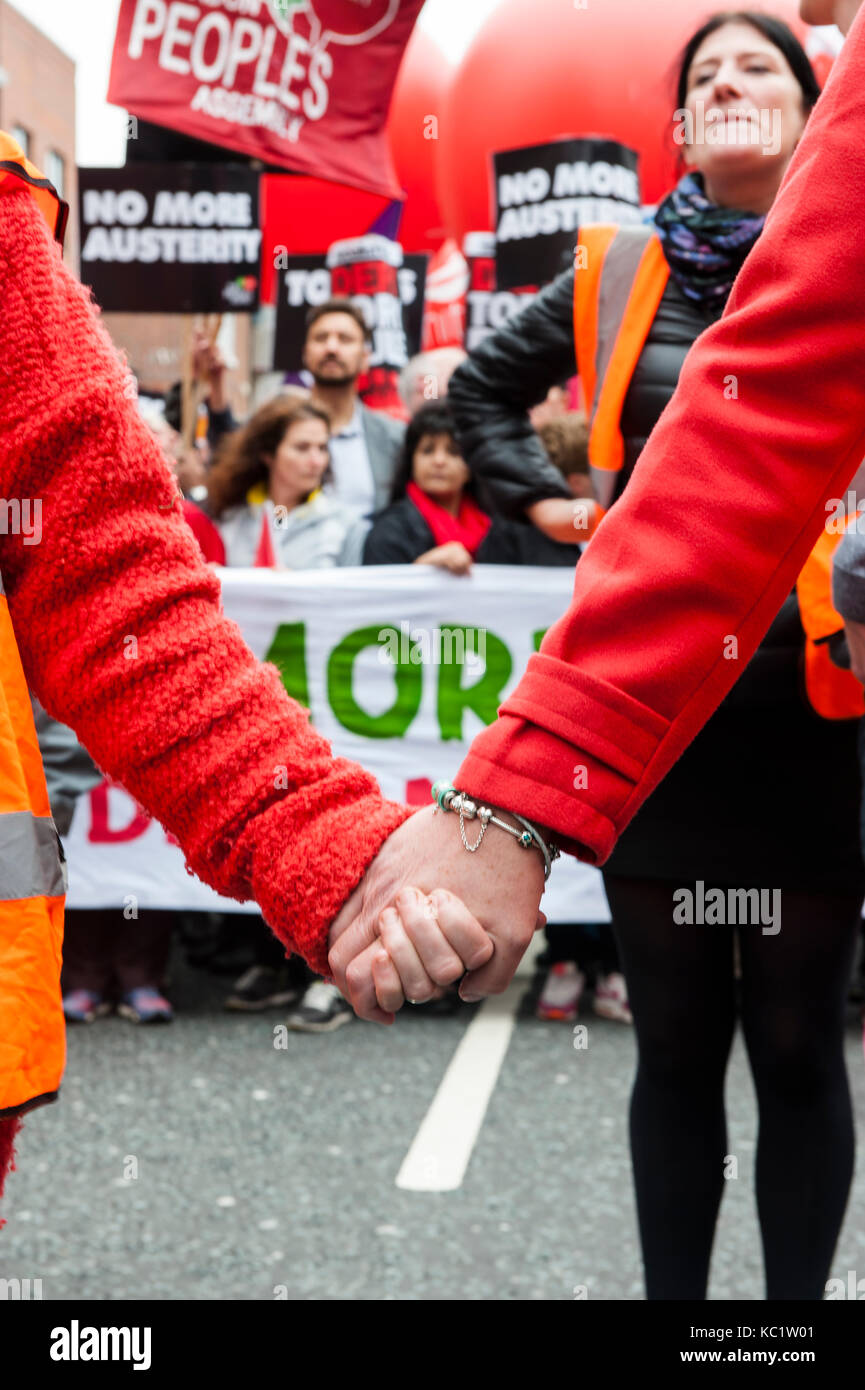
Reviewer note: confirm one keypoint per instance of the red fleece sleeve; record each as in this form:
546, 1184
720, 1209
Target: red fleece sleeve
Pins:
118, 621
728, 498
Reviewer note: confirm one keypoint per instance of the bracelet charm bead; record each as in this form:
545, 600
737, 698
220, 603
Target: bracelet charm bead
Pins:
439, 789
448, 798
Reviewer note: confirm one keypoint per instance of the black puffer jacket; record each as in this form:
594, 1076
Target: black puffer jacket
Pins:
513, 369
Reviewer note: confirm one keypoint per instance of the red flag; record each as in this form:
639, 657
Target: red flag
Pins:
265, 555
302, 215
305, 84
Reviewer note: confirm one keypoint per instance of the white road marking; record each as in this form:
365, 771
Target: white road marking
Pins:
443, 1145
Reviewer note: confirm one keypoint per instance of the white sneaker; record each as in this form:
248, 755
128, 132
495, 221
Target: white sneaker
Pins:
611, 998
560, 996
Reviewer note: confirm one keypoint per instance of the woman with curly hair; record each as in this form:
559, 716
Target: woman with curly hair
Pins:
265, 497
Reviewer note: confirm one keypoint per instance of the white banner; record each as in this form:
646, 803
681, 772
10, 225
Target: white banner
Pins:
400, 665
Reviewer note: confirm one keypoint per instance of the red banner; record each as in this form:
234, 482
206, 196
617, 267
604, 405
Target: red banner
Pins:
304, 84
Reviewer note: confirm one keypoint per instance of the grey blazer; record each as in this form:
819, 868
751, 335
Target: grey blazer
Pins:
384, 437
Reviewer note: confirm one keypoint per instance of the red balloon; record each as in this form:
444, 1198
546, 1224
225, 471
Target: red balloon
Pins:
547, 69
419, 94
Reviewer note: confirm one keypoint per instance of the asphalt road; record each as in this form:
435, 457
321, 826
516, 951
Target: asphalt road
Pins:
198, 1161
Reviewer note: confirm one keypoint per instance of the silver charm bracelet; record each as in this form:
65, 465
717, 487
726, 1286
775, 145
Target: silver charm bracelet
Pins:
448, 798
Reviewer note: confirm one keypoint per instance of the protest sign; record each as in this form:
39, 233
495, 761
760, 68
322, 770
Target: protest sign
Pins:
365, 269
447, 281
171, 238
544, 193
412, 292
305, 281
487, 307
302, 283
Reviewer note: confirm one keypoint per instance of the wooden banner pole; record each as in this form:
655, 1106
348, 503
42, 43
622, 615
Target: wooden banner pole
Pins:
189, 405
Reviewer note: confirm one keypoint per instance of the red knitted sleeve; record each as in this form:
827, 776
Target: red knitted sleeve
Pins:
119, 625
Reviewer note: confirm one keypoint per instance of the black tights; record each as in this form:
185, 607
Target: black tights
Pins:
682, 994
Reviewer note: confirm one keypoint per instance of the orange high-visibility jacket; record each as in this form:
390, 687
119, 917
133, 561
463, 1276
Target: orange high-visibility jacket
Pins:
620, 277
32, 874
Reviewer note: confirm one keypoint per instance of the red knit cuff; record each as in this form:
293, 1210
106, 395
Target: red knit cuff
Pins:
567, 750
580, 829
301, 881
589, 714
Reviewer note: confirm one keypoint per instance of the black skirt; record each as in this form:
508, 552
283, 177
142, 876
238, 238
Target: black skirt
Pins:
767, 794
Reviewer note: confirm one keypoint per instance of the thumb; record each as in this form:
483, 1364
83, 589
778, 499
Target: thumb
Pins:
347, 914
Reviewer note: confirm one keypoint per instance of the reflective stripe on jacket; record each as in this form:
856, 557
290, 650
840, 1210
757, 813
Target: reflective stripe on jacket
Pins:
32, 874
620, 277
32, 1044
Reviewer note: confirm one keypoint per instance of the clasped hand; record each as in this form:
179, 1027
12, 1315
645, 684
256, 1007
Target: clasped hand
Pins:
427, 913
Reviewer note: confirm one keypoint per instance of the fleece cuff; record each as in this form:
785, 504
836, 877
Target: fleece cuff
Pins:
567, 751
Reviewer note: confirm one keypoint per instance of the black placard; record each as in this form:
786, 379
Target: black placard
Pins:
412, 288
304, 281
171, 238
544, 193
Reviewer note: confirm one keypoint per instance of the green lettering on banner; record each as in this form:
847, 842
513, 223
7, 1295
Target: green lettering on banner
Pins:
538, 637
393, 722
485, 695
287, 651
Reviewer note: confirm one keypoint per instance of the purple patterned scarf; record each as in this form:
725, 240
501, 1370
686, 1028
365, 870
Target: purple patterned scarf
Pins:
705, 245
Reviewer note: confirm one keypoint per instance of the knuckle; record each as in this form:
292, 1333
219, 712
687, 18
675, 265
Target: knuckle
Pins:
447, 971
480, 954
388, 925
478, 961
354, 975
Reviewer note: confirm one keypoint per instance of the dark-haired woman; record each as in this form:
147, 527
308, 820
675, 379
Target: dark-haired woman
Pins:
434, 517
265, 497
747, 805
